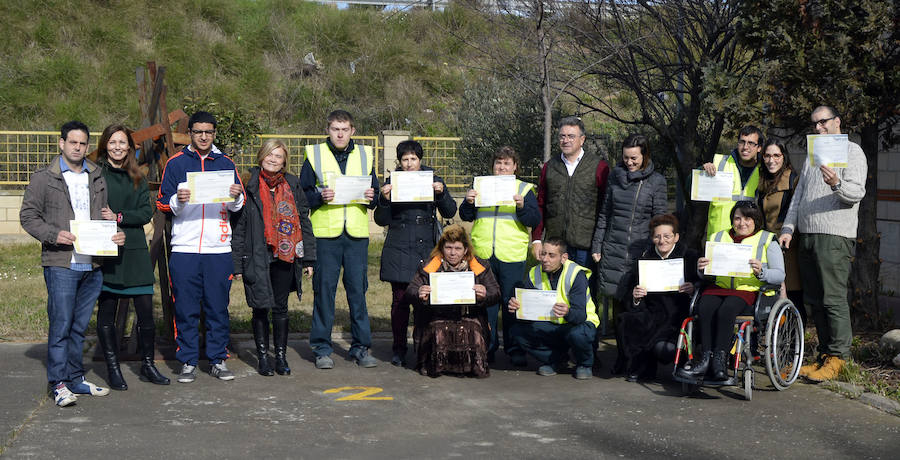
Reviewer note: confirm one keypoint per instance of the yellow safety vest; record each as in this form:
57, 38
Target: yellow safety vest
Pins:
569, 270
759, 241
497, 231
720, 211
329, 220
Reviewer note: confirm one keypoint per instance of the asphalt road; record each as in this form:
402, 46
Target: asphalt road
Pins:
388, 412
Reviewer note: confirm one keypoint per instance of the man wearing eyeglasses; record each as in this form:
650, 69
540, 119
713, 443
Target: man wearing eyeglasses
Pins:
201, 267
742, 163
824, 211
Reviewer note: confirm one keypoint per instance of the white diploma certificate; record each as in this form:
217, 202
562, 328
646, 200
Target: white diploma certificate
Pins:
535, 304
350, 189
210, 186
452, 288
411, 186
711, 188
829, 150
495, 190
94, 237
729, 259
661, 275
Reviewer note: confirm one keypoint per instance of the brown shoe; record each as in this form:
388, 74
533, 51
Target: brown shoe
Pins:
829, 370
812, 367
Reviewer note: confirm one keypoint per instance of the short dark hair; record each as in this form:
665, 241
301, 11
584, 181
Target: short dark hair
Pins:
572, 121
201, 117
506, 152
834, 112
339, 115
409, 146
751, 210
558, 242
639, 140
751, 129
73, 125
664, 219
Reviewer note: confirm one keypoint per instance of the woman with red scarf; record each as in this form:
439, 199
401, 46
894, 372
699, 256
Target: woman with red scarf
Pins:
273, 246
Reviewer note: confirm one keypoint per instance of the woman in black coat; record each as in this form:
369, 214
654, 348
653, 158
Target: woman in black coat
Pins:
647, 331
413, 230
273, 245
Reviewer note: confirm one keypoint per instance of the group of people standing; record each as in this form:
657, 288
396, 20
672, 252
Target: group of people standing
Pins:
582, 214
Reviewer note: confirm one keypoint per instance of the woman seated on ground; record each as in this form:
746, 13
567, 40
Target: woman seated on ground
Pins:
647, 330
719, 305
454, 338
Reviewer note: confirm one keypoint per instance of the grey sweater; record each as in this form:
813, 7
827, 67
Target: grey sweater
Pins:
815, 208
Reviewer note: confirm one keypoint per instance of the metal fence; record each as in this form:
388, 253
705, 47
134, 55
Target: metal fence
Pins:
442, 154
23, 152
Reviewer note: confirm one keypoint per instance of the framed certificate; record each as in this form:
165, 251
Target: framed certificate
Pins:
661, 275
412, 186
452, 288
729, 259
210, 186
536, 304
494, 190
711, 188
94, 237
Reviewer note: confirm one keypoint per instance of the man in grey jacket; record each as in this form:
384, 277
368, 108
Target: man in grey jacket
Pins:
69, 188
824, 211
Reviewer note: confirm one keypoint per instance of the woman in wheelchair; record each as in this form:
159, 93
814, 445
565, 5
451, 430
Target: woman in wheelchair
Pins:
647, 331
719, 305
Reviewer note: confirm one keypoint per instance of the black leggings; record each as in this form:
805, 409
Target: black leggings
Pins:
717, 316
143, 307
282, 275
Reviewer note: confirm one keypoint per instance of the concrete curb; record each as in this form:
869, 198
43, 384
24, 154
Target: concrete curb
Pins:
858, 393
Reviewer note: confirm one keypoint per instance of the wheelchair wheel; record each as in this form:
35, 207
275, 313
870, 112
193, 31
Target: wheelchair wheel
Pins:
784, 344
748, 384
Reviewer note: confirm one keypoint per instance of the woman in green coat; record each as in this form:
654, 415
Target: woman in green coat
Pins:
130, 274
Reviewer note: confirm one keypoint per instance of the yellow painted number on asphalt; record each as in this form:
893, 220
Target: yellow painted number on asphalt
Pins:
365, 394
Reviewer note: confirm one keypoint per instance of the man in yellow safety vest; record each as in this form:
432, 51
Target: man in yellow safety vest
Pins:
742, 163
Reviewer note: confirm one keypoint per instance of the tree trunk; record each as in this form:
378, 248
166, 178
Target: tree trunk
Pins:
545, 85
864, 283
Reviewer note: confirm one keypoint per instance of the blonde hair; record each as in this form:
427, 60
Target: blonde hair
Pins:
268, 147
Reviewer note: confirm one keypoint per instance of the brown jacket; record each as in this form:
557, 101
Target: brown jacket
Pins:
774, 204
47, 209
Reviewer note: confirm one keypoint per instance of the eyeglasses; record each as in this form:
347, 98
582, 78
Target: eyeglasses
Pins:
823, 121
200, 132
769, 156
568, 137
742, 143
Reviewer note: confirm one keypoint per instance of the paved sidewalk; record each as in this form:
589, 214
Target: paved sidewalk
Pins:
512, 414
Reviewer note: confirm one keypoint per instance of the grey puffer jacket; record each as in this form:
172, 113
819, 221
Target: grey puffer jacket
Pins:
632, 199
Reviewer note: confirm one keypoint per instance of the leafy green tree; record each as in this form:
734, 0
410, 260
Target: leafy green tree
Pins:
843, 54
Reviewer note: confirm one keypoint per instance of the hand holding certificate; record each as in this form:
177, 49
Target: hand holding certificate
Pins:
495, 190
830, 150
661, 275
210, 186
94, 237
535, 304
412, 186
452, 288
350, 189
711, 188
729, 259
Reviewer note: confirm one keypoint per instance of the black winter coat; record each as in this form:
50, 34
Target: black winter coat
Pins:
249, 250
412, 232
632, 199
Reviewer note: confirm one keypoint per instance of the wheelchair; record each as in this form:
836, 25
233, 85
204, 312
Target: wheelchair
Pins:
774, 333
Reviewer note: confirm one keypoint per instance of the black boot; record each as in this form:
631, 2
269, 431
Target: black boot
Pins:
717, 371
149, 372
110, 346
280, 334
696, 368
261, 338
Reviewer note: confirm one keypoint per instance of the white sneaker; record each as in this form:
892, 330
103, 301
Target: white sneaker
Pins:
188, 373
221, 372
87, 388
62, 396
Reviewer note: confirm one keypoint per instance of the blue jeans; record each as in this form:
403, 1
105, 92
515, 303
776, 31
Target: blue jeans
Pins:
201, 281
581, 257
332, 254
71, 296
549, 343
507, 274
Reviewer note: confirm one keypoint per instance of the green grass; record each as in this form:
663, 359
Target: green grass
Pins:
23, 312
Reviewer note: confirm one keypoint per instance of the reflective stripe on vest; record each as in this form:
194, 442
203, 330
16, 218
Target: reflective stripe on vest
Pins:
498, 232
563, 286
720, 211
329, 220
759, 241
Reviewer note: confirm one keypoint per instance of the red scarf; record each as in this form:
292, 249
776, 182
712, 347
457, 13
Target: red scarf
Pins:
280, 218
